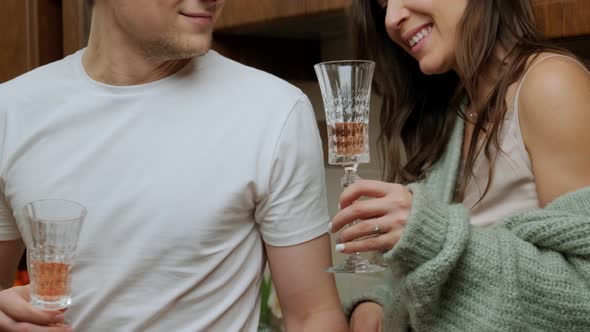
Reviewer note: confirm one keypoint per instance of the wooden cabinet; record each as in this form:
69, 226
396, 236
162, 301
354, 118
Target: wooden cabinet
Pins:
243, 13
31, 35
76, 25
264, 21
563, 18
36, 32
556, 18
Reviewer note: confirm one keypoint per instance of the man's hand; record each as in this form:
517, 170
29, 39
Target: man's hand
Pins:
17, 314
367, 317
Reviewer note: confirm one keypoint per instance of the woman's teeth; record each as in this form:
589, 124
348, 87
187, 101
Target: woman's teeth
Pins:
419, 36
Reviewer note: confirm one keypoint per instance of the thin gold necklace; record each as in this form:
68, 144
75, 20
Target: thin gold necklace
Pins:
464, 107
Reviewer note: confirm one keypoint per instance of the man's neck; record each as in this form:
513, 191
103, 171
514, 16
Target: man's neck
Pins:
112, 58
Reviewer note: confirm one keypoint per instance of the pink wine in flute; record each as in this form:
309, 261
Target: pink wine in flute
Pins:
50, 280
349, 142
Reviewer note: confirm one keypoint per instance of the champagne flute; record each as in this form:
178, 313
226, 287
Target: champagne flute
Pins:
346, 92
55, 226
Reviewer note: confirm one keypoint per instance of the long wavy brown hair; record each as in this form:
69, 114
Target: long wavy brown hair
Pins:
419, 111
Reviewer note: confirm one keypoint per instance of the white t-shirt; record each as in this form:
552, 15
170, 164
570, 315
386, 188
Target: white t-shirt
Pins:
183, 179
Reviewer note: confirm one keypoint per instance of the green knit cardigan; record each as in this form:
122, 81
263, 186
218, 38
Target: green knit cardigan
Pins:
530, 272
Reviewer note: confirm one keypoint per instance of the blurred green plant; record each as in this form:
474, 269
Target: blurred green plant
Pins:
270, 310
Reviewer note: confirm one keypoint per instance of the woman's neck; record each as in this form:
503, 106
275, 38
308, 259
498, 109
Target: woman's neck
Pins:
489, 75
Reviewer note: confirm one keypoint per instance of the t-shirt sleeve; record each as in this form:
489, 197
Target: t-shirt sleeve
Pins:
8, 228
295, 209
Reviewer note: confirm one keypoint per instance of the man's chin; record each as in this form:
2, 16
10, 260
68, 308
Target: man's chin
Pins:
179, 52
196, 47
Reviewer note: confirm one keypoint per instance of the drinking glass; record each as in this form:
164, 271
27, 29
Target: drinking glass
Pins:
55, 227
346, 92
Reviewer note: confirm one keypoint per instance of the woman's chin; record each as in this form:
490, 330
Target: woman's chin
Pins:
433, 68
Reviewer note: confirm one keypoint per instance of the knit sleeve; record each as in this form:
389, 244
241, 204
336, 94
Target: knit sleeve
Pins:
532, 272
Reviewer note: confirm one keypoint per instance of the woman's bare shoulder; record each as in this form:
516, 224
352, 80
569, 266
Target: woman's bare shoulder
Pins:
554, 84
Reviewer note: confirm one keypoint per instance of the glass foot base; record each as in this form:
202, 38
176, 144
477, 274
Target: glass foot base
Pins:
356, 267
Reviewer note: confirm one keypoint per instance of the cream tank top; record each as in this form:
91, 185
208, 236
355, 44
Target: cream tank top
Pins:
513, 187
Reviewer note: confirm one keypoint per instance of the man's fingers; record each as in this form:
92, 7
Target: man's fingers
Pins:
19, 309
5, 322
23, 291
366, 325
9, 325
367, 317
17, 327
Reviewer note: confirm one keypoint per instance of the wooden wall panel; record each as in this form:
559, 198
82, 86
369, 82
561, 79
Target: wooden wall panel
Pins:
15, 40
563, 18
244, 12
76, 21
556, 18
31, 35
49, 25
247, 12
314, 7
290, 59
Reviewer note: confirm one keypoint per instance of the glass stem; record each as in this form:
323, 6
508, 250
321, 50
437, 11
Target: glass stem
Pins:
350, 177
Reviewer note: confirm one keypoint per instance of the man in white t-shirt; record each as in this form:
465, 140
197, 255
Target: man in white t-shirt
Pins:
195, 171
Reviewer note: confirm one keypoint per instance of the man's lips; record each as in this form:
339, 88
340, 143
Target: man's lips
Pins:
199, 18
197, 15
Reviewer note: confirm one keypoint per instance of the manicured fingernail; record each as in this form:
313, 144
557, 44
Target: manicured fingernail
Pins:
59, 318
339, 207
340, 247
330, 227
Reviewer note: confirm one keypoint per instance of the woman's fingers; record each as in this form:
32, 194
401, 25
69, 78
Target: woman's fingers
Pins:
365, 228
360, 210
367, 188
378, 243
382, 218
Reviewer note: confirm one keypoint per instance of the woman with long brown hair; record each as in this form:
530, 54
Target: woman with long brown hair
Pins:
485, 215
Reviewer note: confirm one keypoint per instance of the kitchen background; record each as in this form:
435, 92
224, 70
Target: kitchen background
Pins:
283, 37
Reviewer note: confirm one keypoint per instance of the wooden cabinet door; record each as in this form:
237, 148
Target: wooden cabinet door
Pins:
563, 18
76, 25
31, 35
251, 12
556, 18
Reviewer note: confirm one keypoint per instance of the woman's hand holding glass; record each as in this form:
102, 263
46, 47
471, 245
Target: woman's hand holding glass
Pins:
383, 216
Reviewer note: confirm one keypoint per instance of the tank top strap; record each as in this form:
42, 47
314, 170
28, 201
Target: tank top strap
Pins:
536, 62
514, 118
